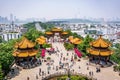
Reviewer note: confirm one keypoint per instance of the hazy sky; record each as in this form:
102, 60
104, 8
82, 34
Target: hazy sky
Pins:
52, 9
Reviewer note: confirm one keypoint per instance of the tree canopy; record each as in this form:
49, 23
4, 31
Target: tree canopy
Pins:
85, 44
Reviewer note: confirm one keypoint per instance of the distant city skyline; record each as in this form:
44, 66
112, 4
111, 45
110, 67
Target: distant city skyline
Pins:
57, 9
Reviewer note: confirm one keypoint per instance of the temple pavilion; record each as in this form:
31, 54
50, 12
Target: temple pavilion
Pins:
99, 51
24, 51
49, 34
56, 31
41, 40
74, 41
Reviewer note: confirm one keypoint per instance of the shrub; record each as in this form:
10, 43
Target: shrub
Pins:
48, 58
46, 45
68, 46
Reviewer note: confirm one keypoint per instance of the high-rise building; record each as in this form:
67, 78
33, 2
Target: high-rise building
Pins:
11, 17
15, 18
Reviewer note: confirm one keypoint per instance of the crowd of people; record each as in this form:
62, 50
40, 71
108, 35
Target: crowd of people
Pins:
65, 62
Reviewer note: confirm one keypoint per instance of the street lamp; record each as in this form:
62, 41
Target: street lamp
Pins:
69, 75
68, 72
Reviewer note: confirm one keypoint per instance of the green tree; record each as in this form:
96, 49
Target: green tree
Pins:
6, 58
46, 25
46, 45
69, 32
33, 34
1, 72
116, 56
76, 35
85, 44
29, 25
1, 39
69, 46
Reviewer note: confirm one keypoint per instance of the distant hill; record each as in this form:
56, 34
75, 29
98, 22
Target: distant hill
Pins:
76, 20
113, 22
43, 25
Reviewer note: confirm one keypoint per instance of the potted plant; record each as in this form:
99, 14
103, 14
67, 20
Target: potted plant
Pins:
48, 58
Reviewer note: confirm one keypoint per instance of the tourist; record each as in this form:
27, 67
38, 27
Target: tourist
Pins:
90, 73
56, 68
67, 54
86, 63
39, 70
53, 67
63, 58
98, 69
48, 72
42, 73
37, 76
73, 70
39, 73
28, 78
87, 68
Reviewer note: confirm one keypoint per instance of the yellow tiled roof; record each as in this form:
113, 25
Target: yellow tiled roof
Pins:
42, 37
99, 52
28, 53
64, 33
56, 29
49, 33
72, 40
70, 37
75, 40
41, 40
25, 43
100, 42
78, 42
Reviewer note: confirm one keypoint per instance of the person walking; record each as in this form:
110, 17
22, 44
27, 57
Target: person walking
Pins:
28, 78
37, 77
87, 68
67, 54
92, 73
48, 72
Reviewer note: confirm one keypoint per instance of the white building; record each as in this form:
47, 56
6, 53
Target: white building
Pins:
10, 31
8, 36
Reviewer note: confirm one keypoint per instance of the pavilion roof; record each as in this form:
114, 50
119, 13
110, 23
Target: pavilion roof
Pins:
24, 44
27, 53
75, 40
48, 33
42, 37
41, 40
100, 43
99, 52
57, 29
70, 37
64, 33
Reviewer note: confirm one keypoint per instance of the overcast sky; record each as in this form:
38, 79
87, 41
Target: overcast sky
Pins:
52, 9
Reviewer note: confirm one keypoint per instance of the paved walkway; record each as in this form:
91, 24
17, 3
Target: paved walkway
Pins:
105, 74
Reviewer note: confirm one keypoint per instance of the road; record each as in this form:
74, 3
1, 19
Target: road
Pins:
38, 27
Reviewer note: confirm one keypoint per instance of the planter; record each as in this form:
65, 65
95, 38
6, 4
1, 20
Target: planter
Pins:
48, 58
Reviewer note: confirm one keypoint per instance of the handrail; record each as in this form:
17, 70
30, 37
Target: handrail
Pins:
65, 73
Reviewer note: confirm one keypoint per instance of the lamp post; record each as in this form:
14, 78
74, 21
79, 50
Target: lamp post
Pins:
68, 72
69, 75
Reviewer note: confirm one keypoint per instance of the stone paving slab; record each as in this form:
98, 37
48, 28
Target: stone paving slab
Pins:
105, 74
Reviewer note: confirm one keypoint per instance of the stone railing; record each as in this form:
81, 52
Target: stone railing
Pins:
58, 74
